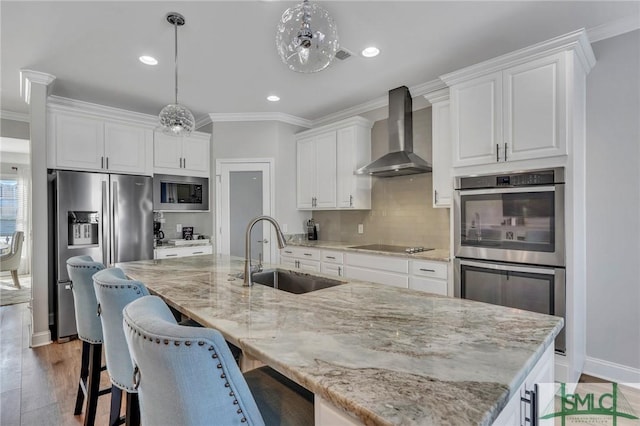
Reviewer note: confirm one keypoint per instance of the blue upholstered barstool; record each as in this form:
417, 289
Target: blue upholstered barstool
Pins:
114, 291
81, 270
187, 376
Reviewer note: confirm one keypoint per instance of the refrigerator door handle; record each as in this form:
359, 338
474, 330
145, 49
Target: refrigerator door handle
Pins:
116, 219
105, 224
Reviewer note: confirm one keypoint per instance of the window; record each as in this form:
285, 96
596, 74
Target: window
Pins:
8, 207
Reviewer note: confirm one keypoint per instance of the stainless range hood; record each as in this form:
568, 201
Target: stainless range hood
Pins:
400, 160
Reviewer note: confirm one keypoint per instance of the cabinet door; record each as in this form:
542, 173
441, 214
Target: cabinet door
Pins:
195, 155
309, 265
306, 170
325, 156
441, 131
534, 100
353, 150
331, 269
167, 152
125, 148
79, 142
476, 118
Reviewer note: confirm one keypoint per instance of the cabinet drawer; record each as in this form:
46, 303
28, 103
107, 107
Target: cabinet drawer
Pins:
380, 277
329, 256
301, 253
385, 263
426, 268
309, 265
167, 253
429, 285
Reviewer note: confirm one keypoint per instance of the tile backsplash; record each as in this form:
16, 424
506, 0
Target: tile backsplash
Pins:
401, 214
402, 211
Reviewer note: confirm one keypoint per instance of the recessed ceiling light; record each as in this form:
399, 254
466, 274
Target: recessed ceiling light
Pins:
273, 98
370, 52
148, 60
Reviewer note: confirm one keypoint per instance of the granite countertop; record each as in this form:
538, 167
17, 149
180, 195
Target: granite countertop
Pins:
385, 355
439, 254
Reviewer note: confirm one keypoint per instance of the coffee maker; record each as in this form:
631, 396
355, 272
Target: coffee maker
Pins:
158, 235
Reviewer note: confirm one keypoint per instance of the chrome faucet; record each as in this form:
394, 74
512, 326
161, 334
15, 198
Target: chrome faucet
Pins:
247, 245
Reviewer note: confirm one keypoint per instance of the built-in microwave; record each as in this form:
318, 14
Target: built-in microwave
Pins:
171, 192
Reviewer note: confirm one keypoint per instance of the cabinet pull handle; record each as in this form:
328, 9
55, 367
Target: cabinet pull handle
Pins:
435, 196
308, 254
505, 151
297, 263
198, 252
331, 257
497, 153
172, 255
288, 251
350, 200
107, 163
427, 270
532, 419
102, 162
184, 163
339, 271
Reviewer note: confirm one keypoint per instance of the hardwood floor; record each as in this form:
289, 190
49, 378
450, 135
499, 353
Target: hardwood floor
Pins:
38, 386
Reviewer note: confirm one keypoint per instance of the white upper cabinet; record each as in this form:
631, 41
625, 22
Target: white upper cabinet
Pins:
441, 148
518, 107
327, 158
82, 142
184, 155
534, 109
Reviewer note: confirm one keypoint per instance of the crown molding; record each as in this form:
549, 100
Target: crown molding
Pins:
202, 121
260, 116
437, 96
58, 103
15, 116
29, 77
351, 121
614, 28
576, 41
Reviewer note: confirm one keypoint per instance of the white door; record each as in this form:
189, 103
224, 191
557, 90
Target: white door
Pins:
244, 191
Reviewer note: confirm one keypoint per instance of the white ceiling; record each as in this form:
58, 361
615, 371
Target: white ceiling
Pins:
228, 61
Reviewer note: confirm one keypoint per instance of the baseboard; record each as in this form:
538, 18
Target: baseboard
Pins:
39, 339
613, 372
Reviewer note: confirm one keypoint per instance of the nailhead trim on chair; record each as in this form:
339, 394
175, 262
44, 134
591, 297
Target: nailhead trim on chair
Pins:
188, 343
83, 338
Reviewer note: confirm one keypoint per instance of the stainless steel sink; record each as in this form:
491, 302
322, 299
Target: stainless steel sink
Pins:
292, 282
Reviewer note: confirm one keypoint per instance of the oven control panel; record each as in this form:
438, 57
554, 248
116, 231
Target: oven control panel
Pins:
541, 177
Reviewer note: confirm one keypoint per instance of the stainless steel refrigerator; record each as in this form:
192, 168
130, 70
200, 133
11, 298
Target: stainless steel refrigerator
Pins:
106, 216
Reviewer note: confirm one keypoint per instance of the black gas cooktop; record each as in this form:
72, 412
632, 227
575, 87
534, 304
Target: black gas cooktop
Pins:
391, 248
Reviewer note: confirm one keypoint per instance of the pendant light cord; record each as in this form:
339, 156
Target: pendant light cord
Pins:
175, 28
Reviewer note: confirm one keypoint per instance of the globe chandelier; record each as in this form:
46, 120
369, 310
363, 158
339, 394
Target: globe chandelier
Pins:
176, 119
306, 38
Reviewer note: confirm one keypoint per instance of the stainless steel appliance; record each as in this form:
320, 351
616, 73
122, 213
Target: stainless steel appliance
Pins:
108, 217
180, 192
509, 241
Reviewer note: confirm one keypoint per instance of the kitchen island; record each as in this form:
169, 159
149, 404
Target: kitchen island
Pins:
382, 355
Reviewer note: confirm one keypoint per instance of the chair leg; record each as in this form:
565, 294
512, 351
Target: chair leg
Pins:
82, 384
93, 385
133, 410
14, 275
116, 402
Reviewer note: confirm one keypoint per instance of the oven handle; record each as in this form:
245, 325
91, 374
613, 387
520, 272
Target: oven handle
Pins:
510, 268
509, 190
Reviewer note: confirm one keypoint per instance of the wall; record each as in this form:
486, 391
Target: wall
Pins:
14, 129
401, 212
613, 208
264, 139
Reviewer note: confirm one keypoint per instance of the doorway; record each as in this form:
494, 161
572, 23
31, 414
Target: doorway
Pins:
243, 192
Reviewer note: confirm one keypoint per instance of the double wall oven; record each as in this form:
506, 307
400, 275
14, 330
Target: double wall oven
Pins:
509, 241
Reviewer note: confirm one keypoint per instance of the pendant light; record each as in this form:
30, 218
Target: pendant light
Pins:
175, 119
307, 38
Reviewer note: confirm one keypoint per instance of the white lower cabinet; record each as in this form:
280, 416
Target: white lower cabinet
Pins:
378, 269
307, 259
429, 276
168, 253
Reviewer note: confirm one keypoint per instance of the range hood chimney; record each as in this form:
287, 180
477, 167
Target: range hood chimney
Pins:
400, 160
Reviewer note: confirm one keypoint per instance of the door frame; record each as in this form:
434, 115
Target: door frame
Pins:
226, 165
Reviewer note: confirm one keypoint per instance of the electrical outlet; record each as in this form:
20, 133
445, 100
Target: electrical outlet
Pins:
360, 228
179, 227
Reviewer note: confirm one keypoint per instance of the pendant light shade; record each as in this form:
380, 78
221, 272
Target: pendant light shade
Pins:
175, 119
307, 38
